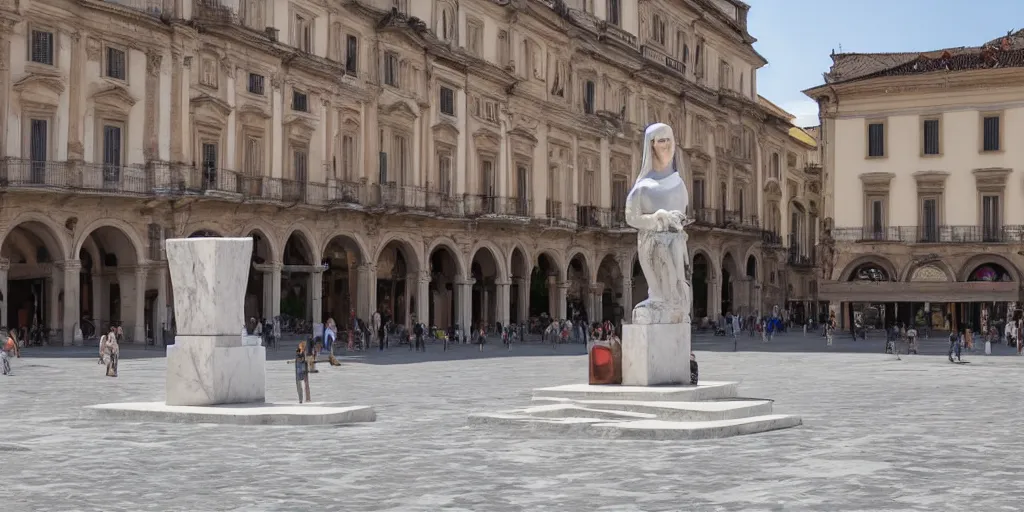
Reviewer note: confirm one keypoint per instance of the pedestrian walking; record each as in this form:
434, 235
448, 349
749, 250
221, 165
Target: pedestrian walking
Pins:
301, 372
6, 351
954, 346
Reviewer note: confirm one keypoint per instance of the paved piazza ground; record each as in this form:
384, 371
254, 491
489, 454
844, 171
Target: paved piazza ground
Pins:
878, 434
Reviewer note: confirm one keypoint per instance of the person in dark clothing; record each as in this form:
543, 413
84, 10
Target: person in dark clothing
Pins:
301, 372
418, 331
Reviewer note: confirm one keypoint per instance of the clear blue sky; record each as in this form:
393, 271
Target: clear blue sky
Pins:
796, 36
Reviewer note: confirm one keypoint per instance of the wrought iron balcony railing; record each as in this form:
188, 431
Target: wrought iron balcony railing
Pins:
932, 234
800, 254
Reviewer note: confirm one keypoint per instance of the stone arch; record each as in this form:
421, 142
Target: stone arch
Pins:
913, 269
587, 260
510, 262
54, 236
308, 240
559, 264
708, 255
205, 232
499, 259
408, 247
355, 240
976, 261
442, 241
267, 233
751, 268
138, 247
881, 261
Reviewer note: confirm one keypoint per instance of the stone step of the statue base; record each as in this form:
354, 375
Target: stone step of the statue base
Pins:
671, 411
704, 391
267, 413
649, 429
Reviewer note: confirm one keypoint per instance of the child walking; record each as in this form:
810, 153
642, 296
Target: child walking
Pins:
301, 372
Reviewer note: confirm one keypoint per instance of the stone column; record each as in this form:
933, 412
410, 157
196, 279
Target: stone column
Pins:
100, 307
563, 291
503, 308
596, 313
161, 305
465, 304
178, 79
552, 284
627, 300
275, 295
367, 302
523, 312
714, 298
151, 138
423, 299
316, 287
141, 274
72, 301
410, 284
5, 267
6, 29
758, 306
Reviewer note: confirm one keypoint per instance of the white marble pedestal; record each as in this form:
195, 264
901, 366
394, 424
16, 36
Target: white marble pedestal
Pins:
201, 371
655, 354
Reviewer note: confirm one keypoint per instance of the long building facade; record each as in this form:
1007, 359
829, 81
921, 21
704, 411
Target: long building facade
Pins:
920, 179
451, 162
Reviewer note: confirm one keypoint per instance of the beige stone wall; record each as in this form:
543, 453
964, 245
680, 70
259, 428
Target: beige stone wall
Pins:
499, 146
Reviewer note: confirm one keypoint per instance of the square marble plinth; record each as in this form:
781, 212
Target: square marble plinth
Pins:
655, 354
202, 371
240, 414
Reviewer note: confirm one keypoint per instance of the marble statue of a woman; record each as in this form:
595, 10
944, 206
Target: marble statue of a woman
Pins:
655, 207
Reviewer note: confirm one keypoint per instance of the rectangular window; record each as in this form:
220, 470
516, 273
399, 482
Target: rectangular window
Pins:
447, 101
876, 139
877, 221
111, 152
487, 178
619, 193
300, 102
658, 29
698, 194
303, 33
503, 49
391, 69
38, 149
301, 163
41, 47
588, 96
930, 220
587, 188
116, 64
348, 157
444, 175
253, 156
991, 136
931, 136
209, 163
382, 173
351, 55
475, 39
256, 84
614, 12
398, 158
990, 218
522, 191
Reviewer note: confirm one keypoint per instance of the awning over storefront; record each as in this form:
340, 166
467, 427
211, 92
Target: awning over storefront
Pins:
861, 291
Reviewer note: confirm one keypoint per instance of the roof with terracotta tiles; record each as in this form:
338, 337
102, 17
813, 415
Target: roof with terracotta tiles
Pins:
1005, 51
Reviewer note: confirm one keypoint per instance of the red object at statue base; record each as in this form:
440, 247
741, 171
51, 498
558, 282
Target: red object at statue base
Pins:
606, 363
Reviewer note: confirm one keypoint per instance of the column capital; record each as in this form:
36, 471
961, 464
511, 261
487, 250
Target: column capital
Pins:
367, 267
5, 264
425, 277
503, 283
564, 285
466, 282
70, 265
628, 283
597, 288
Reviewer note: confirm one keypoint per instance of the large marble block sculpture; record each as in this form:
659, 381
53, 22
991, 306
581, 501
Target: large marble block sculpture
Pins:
656, 345
209, 363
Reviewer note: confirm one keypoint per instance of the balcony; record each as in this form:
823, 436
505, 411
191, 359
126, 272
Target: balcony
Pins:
800, 255
771, 239
657, 56
933, 234
158, 8
707, 216
591, 217
553, 209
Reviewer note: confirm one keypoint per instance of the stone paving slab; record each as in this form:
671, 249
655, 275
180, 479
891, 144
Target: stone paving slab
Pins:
879, 434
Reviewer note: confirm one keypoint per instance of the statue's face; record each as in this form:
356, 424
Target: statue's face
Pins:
664, 148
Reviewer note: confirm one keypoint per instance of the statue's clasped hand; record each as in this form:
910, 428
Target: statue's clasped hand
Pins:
671, 221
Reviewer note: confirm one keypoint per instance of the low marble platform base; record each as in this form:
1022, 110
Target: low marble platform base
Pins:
707, 411
312, 413
655, 354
